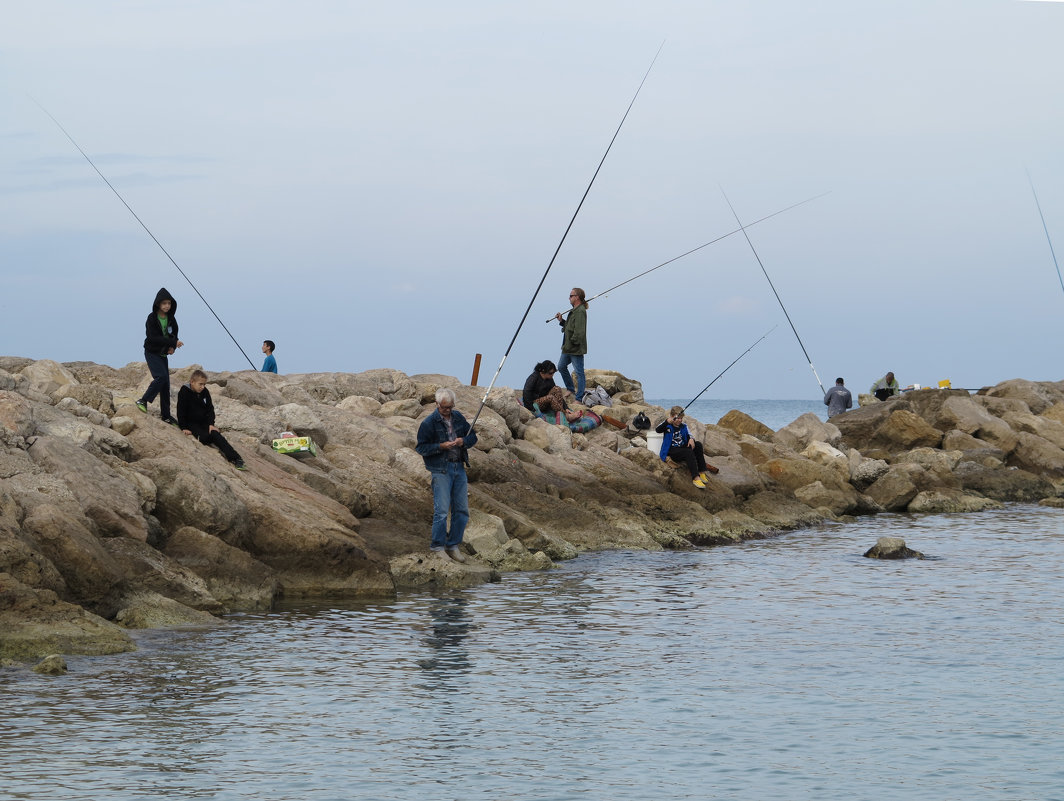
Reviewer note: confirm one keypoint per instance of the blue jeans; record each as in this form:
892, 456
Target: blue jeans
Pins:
159, 368
449, 496
577, 360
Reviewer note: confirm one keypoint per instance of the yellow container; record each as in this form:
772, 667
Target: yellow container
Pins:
944, 384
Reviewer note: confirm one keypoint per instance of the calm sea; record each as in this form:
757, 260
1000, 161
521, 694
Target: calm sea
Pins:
773, 413
789, 668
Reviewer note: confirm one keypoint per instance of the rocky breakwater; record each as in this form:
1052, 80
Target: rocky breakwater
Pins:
111, 520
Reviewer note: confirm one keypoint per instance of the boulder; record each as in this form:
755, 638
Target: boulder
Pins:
53, 665
895, 488
233, 577
950, 501
903, 430
149, 610
108, 499
147, 569
436, 570
892, 548
1038, 395
806, 430
1037, 455
1003, 485
47, 376
742, 423
35, 624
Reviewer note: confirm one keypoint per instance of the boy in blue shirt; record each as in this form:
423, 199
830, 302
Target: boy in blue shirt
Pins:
270, 364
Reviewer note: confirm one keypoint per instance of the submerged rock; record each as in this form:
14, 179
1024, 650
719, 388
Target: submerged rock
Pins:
891, 548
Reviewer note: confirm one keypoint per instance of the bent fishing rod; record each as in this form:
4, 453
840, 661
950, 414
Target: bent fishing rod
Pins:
1044, 228
726, 369
145, 227
605, 292
580, 205
774, 292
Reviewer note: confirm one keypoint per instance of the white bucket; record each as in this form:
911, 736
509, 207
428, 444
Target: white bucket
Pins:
654, 441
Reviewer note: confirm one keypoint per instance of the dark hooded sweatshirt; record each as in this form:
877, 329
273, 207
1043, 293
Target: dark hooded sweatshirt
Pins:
157, 339
195, 412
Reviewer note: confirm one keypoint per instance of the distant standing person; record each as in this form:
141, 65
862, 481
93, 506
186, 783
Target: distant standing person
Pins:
678, 444
195, 416
574, 342
160, 341
269, 364
443, 440
885, 387
838, 398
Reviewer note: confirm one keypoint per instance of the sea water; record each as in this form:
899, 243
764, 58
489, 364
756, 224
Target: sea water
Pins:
790, 668
773, 413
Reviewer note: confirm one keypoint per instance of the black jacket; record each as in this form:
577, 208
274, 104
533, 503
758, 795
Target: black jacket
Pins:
194, 412
155, 339
536, 386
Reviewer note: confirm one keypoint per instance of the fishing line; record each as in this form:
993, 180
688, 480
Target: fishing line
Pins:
774, 292
1044, 228
693, 250
524, 317
142, 225
726, 369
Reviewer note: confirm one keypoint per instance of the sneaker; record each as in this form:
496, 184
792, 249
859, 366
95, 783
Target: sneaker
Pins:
171, 421
239, 464
698, 482
142, 406
456, 554
704, 476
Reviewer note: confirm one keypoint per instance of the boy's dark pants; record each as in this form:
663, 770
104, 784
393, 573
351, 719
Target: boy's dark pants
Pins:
694, 458
159, 367
215, 438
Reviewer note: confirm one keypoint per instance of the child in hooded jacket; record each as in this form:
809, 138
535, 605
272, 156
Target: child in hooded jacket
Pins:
678, 444
160, 341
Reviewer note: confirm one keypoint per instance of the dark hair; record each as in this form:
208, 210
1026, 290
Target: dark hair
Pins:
546, 366
269, 344
839, 381
198, 374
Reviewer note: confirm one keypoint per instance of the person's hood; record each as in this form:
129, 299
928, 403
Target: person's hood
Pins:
160, 296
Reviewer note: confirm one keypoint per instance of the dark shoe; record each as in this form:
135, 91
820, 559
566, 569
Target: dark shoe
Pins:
142, 406
456, 554
239, 464
171, 421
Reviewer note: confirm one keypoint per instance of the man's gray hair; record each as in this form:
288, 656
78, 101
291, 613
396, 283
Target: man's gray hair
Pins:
443, 394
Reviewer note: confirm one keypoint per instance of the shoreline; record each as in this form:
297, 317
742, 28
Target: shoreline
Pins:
111, 520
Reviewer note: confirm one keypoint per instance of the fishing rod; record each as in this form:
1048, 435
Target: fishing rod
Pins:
605, 292
1044, 228
774, 292
142, 225
726, 369
524, 317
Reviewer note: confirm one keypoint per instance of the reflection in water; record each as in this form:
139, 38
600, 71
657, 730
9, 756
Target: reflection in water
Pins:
789, 668
450, 627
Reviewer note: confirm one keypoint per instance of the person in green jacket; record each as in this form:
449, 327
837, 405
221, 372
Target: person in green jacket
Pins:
885, 387
574, 342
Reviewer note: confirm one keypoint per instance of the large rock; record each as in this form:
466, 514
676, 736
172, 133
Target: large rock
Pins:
36, 624
1038, 395
892, 548
806, 430
895, 488
1003, 485
950, 501
108, 499
742, 423
1037, 455
903, 430
47, 376
233, 577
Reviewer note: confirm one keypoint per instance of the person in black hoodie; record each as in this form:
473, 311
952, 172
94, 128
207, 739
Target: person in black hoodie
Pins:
195, 416
160, 341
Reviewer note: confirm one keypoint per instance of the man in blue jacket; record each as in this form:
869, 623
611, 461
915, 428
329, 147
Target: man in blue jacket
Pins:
443, 440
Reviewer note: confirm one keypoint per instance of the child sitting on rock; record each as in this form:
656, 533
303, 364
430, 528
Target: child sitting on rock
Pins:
678, 444
195, 417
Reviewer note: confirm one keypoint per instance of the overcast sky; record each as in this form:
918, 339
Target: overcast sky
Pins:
384, 184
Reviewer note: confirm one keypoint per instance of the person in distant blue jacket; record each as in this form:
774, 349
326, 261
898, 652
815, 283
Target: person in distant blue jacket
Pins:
838, 399
443, 440
269, 365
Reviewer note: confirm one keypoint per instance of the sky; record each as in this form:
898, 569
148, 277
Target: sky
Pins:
385, 184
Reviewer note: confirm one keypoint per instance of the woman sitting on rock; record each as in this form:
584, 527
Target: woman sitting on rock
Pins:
542, 395
678, 444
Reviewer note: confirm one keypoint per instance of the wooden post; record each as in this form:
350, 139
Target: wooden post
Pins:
476, 370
